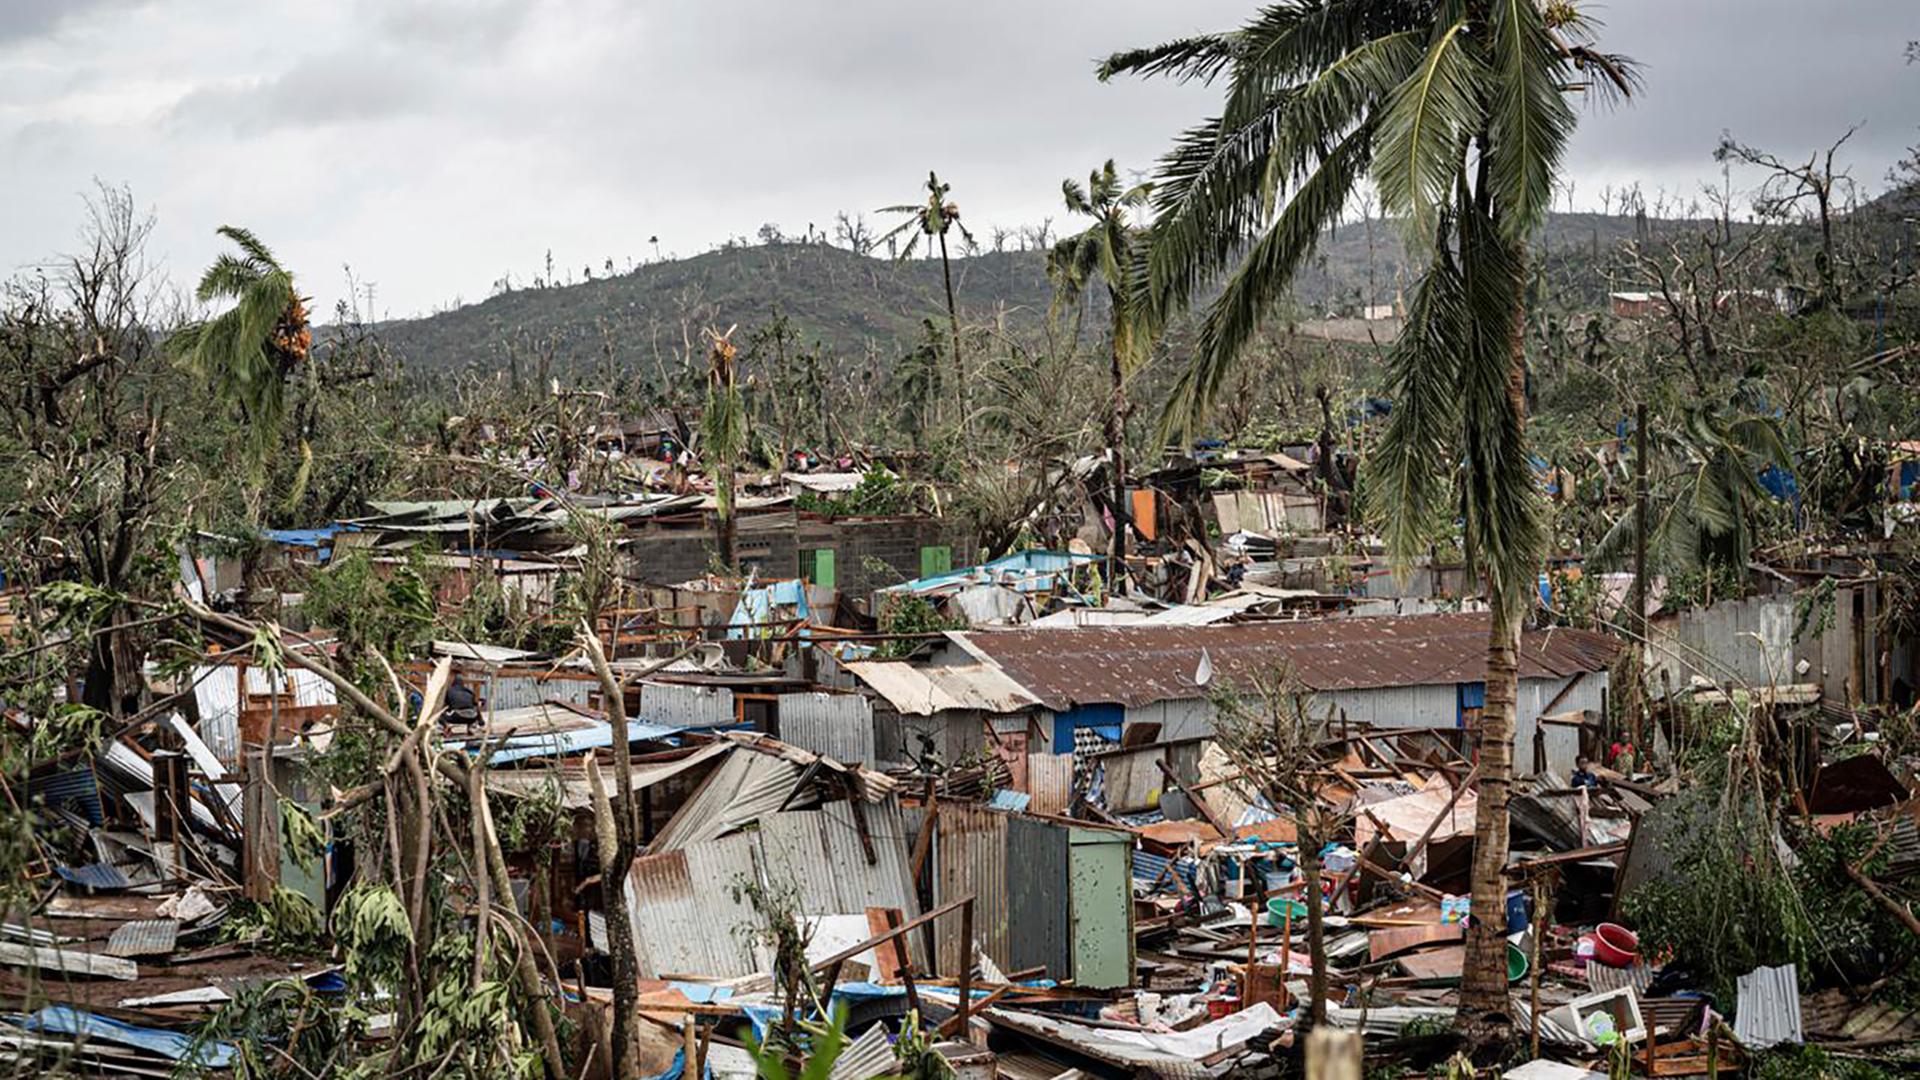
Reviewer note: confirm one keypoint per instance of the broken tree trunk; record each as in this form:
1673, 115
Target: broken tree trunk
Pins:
626, 972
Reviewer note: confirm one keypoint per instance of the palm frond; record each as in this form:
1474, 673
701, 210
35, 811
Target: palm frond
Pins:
1424, 127
1202, 57
1531, 119
1292, 43
1410, 470
1502, 498
1261, 279
1220, 182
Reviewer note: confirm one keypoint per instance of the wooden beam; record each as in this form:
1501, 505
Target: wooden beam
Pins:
892, 932
906, 956
1199, 802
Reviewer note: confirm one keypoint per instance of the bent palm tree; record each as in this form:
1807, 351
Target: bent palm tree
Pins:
247, 352
1710, 487
934, 218
1458, 110
1106, 250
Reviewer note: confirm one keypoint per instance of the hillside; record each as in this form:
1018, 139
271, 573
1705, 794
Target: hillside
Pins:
855, 304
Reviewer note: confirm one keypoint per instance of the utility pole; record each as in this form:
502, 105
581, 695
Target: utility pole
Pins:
1639, 620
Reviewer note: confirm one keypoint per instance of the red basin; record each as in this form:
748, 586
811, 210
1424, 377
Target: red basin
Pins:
1615, 945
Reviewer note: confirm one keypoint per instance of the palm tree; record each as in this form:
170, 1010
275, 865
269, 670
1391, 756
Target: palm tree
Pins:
723, 436
1458, 111
248, 352
934, 218
1106, 250
1708, 489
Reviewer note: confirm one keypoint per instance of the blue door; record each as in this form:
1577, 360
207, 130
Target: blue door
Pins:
1473, 698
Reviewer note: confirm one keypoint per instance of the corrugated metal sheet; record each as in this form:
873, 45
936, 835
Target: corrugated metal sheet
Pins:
1383, 1019
216, 691
970, 856
1050, 780
1037, 904
687, 921
687, 706
1768, 1010
923, 691
1136, 665
866, 1057
837, 725
819, 852
746, 787
144, 937
520, 691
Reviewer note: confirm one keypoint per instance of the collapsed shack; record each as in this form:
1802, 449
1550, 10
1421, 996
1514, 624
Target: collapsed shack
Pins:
1027, 851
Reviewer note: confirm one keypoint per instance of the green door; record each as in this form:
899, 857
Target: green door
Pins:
935, 560
817, 567
1098, 875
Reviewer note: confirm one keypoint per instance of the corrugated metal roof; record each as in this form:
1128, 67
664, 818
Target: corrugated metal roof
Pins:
1768, 1009
1140, 665
745, 788
923, 691
576, 794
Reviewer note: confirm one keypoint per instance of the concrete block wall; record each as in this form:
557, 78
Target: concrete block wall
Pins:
869, 553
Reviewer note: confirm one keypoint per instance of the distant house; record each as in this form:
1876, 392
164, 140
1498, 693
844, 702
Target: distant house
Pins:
1631, 305
1094, 685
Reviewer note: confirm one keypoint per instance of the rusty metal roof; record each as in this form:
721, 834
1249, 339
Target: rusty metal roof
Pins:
1139, 665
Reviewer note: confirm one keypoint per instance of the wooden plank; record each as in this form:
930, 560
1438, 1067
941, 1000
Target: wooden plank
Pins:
67, 961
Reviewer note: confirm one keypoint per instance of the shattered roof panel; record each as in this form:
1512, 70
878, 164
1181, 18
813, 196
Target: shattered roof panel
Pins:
923, 691
1139, 665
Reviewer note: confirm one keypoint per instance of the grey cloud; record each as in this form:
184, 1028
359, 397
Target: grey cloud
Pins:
338, 88
465, 29
22, 20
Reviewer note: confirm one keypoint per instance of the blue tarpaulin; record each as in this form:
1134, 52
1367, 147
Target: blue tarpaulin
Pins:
96, 876
1034, 570
563, 743
756, 606
679, 1067
58, 1019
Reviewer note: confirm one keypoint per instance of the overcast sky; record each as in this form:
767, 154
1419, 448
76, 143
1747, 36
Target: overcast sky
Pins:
435, 145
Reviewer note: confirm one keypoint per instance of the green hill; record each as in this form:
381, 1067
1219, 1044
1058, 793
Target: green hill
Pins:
863, 305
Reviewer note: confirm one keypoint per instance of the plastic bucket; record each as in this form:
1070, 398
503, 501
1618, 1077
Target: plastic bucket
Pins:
1615, 945
1280, 907
1516, 963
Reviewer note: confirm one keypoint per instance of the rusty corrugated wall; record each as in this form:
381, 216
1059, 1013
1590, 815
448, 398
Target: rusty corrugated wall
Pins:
970, 856
1050, 780
686, 921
